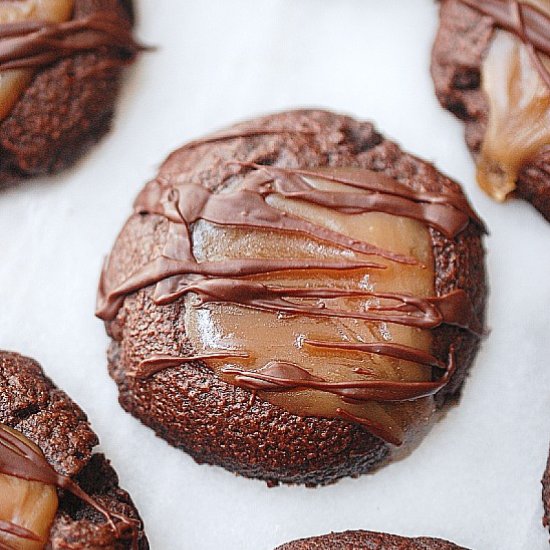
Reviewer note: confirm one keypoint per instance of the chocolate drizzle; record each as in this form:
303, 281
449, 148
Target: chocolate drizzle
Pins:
35, 44
387, 433
157, 363
530, 24
447, 212
186, 203
16, 531
177, 273
401, 309
21, 460
283, 376
278, 375
397, 351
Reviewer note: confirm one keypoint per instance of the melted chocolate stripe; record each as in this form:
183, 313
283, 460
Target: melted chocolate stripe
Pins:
536, 22
528, 23
533, 53
37, 44
402, 309
280, 377
247, 208
448, 212
17, 531
397, 351
376, 428
157, 363
163, 268
18, 459
273, 376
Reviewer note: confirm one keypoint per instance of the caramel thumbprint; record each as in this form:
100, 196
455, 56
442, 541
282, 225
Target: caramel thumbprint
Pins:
60, 67
294, 298
54, 492
491, 67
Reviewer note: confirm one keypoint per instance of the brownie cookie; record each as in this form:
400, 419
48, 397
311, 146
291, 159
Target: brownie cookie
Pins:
60, 66
546, 494
54, 491
367, 540
294, 298
490, 68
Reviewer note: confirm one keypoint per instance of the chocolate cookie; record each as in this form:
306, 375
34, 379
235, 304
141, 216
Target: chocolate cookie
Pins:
60, 66
546, 494
490, 68
367, 540
54, 491
294, 298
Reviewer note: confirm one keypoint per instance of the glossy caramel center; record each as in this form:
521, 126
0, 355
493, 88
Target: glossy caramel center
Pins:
519, 111
270, 336
30, 505
14, 82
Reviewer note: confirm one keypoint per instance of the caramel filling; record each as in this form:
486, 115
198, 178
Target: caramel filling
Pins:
317, 348
519, 111
27, 508
13, 82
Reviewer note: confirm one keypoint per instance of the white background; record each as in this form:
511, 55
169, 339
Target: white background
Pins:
475, 478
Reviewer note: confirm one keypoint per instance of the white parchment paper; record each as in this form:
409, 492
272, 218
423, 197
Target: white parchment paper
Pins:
475, 478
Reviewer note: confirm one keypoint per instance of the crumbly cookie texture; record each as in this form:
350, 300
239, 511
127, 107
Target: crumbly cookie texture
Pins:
33, 406
57, 110
367, 540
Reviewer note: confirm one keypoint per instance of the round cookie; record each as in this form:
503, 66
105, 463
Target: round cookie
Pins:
546, 494
59, 80
368, 540
473, 65
34, 408
241, 419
